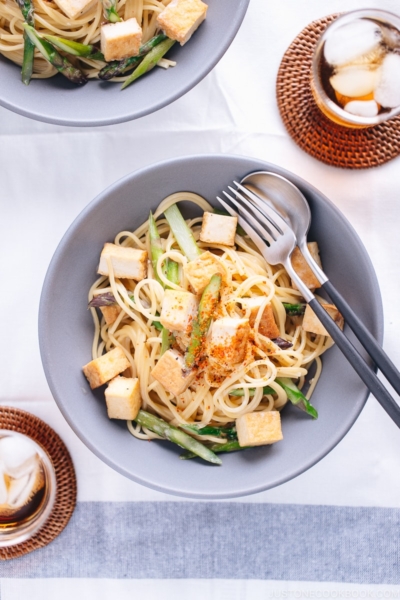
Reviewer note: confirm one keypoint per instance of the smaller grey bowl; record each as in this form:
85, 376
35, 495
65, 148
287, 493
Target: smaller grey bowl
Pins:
58, 101
66, 333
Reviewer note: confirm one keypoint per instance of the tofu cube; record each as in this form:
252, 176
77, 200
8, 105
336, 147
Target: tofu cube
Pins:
259, 428
106, 367
129, 284
267, 326
120, 40
218, 229
180, 19
200, 270
312, 324
228, 340
110, 313
302, 269
170, 371
74, 8
128, 263
123, 398
178, 309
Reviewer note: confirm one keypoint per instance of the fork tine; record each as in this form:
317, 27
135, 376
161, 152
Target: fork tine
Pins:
256, 212
272, 215
252, 220
259, 242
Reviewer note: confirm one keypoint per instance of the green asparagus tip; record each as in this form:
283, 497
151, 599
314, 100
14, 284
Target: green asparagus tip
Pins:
149, 61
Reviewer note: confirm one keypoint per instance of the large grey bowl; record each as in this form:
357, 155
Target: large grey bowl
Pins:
58, 101
66, 330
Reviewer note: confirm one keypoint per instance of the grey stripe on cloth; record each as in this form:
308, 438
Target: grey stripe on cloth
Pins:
159, 540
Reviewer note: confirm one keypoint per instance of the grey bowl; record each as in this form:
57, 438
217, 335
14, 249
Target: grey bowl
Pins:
58, 101
65, 331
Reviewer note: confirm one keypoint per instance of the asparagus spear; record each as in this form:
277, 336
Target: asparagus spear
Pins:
117, 67
173, 434
229, 433
158, 325
156, 249
252, 391
294, 310
110, 11
182, 233
54, 57
230, 446
296, 397
166, 340
170, 269
26, 7
149, 61
207, 306
173, 271
75, 48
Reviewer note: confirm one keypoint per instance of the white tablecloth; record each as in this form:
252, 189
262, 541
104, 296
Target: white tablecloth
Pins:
233, 110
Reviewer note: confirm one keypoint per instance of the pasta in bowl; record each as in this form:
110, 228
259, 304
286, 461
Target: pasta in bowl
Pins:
209, 336
66, 335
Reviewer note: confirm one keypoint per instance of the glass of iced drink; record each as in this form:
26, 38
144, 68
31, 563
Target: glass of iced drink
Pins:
355, 74
27, 487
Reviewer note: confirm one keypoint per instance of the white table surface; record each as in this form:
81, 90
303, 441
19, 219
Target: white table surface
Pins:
50, 173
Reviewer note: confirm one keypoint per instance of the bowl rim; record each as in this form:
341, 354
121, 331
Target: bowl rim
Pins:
37, 115
47, 286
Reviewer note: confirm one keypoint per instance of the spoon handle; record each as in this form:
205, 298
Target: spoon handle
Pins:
365, 373
365, 337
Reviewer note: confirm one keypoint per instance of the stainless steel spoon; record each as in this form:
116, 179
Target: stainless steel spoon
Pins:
283, 196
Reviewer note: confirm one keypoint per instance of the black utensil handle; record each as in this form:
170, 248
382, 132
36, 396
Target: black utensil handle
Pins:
375, 351
360, 366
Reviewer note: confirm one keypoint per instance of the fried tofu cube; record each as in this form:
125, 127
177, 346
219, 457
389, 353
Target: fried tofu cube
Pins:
180, 19
171, 372
74, 8
218, 229
259, 428
128, 284
312, 324
200, 270
120, 40
106, 367
267, 326
128, 263
302, 269
123, 398
110, 313
228, 340
178, 309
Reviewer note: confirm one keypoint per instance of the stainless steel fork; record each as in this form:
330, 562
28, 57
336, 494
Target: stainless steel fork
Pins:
276, 242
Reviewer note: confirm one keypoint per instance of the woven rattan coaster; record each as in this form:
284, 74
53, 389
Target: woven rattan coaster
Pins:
307, 125
23, 422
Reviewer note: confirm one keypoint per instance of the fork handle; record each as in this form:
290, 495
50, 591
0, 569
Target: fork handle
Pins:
356, 360
365, 337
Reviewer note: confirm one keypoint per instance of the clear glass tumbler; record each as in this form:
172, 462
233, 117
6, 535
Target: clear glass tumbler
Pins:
27, 487
355, 73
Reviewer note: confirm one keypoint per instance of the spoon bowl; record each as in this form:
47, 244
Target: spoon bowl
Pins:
285, 198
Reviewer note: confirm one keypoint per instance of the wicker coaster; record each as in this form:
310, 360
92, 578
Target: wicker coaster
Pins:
307, 125
23, 422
